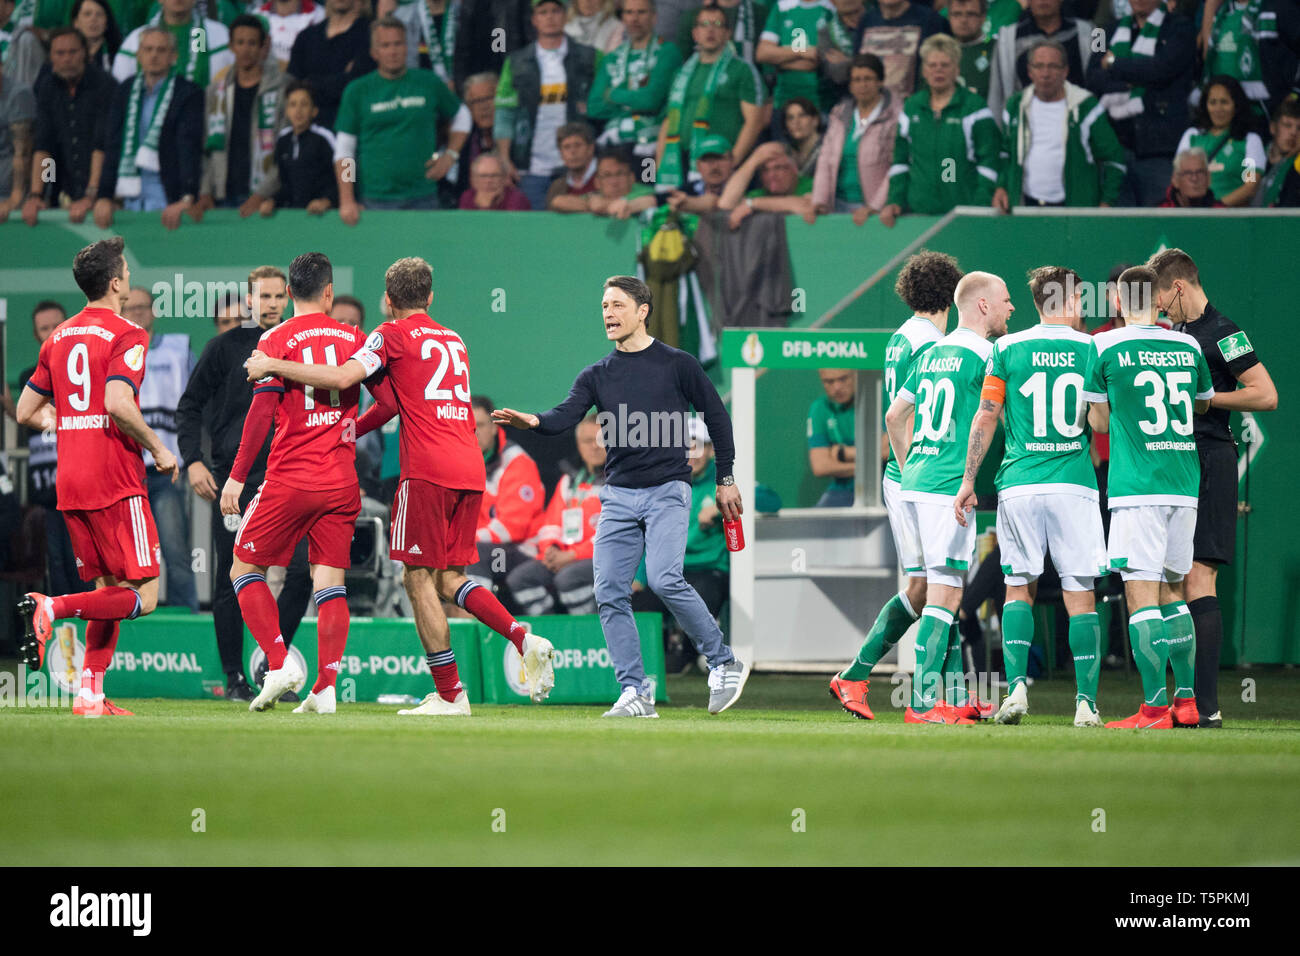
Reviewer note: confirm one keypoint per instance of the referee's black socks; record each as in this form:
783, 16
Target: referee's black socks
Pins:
1209, 643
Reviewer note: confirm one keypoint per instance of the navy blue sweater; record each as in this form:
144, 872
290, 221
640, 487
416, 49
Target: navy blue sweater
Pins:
643, 401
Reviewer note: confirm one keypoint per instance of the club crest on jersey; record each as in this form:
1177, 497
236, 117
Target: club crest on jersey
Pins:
135, 358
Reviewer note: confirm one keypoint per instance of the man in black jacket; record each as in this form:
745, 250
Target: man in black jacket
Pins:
331, 54
152, 162
217, 399
1144, 86
479, 47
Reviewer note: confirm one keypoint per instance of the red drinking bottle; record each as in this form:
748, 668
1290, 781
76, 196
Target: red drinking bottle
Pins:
734, 534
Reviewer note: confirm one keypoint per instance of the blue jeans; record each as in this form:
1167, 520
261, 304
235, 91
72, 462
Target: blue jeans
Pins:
534, 187
168, 503
651, 521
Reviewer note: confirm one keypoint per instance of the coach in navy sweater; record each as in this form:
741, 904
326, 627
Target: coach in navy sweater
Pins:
643, 392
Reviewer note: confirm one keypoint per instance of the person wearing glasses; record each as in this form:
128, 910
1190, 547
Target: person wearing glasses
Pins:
1190, 185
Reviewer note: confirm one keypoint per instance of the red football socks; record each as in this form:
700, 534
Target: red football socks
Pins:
101, 639
332, 637
483, 604
262, 617
111, 603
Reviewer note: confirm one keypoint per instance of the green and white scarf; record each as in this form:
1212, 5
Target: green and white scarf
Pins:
1122, 44
140, 154
193, 63
268, 104
441, 44
746, 32
840, 35
1235, 48
629, 68
671, 172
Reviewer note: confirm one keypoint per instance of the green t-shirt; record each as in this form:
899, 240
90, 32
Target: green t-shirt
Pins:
793, 22
831, 424
977, 64
395, 123
1228, 165
739, 83
901, 352
801, 188
945, 387
1045, 413
1151, 377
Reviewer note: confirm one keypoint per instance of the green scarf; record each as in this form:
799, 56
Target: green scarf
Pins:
671, 172
193, 62
441, 44
1127, 105
624, 71
840, 35
1273, 183
1234, 49
137, 154
745, 34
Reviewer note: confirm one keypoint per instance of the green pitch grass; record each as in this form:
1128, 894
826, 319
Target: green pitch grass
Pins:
368, 787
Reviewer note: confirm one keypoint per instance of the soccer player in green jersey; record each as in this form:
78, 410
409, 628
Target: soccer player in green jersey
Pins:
928, 422
925, 284
1047, 489
1144, 382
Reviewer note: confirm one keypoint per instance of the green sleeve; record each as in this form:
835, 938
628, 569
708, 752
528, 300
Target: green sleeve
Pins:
349, 117
804, 186
1095, 379
1203, 381
910, 383
898, 176
988, 145
446, 103
651, 98
1109, 155
1005, 140
749, 86
997, 367
817, 437
599, 103
503, 125
771, 24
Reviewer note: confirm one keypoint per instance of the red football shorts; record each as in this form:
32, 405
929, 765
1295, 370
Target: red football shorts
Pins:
120, 540
279, 517
433, 526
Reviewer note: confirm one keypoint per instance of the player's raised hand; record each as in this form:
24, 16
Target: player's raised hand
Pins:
964, 503
508, 416
258, 365
230, 496
166, 464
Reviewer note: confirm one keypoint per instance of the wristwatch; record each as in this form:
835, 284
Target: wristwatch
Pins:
726, 482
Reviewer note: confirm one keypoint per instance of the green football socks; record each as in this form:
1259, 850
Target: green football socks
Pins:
1146, 635
1180, 638
1017, 636
931, 649
1085, 648
891, 624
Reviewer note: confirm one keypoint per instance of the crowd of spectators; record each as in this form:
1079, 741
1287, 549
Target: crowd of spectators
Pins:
603, 106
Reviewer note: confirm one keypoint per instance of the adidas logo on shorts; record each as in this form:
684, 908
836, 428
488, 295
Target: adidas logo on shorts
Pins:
415, 549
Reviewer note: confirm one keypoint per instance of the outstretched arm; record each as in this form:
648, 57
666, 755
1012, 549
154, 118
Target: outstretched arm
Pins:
351, 372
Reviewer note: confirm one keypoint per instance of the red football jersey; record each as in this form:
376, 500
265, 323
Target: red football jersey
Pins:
101, 463
310, 449
428, 367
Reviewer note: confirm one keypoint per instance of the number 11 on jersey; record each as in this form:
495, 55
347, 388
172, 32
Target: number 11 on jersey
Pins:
331, 358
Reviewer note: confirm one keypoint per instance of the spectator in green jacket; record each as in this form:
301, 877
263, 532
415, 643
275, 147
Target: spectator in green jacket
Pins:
1060, 149
631, 85
946, 151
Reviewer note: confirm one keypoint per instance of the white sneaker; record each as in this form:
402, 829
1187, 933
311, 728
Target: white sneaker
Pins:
1085, 715
276, 683
539, 667
435, 706
1014, 706
322, 703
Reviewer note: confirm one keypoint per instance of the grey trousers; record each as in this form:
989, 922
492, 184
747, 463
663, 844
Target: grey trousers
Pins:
653, 522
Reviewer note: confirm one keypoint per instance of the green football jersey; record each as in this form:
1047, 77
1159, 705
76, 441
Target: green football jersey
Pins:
795, 23
905, 346
1045, 413
944, 384
1150, 376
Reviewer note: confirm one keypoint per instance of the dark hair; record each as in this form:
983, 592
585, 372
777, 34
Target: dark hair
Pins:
97, 265
409, 283
617, 153
389, 22
1243, 118
927, 281
868, 61
1288, 107
1053, 286
112, 32
576, 128
353, 301
248, 20
44, 306
1172, 265
634, 287
301, 86
74, 32
805, 104
707, 5
1135, 289
309, 274
482, 403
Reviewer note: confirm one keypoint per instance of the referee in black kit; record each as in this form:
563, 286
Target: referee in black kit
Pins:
1241, 384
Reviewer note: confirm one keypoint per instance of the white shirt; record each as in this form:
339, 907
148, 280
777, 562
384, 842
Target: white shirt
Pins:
1045, 162
552, 111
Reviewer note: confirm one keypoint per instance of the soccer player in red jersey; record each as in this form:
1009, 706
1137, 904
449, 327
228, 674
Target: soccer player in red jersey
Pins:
86, 386
419, 369
310, 488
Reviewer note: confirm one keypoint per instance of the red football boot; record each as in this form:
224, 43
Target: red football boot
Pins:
103, 707
941, 713
852, 695
1147, 718
974, 709
1185, 713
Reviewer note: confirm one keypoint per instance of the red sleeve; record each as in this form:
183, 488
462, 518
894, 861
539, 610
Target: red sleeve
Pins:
40, 380
385, 407
126, 361
271, 383
520, 497
256, 424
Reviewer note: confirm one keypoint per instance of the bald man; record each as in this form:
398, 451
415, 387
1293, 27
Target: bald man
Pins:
928, 423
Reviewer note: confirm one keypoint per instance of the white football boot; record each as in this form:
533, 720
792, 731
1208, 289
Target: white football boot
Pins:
276, 683
322, 703
539, 666
1085, 715
435, 706
1014, 706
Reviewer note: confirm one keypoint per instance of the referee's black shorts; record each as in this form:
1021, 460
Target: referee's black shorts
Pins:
1216, 516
